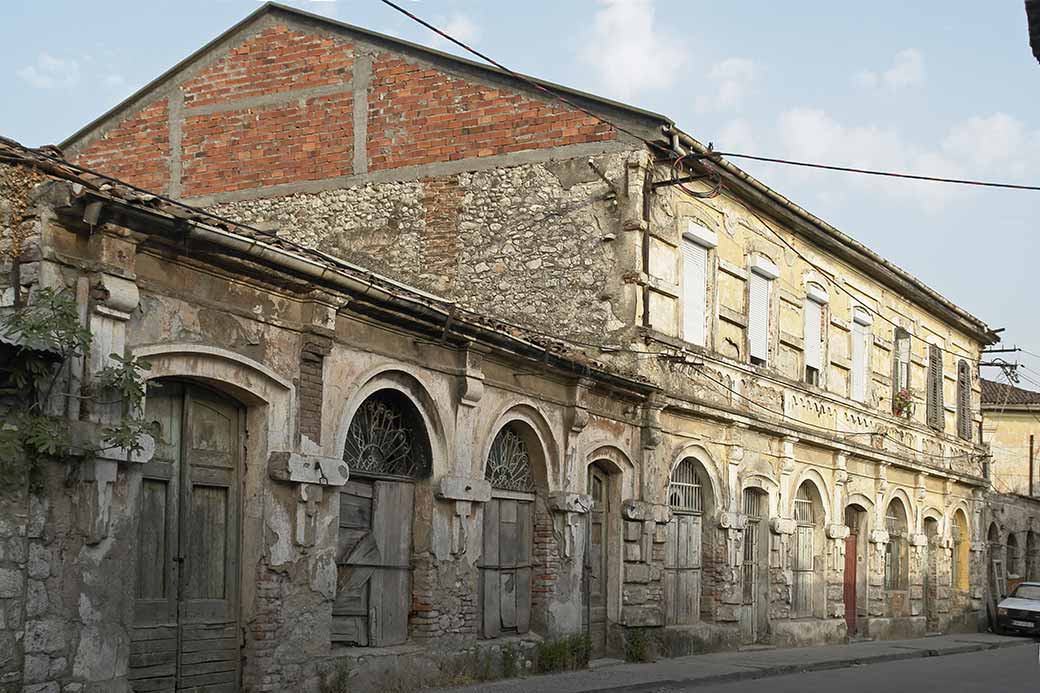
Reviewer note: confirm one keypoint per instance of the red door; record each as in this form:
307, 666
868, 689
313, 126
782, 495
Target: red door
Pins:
850, 583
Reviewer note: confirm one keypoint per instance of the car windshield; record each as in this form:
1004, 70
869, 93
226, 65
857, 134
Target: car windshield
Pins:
1027, 592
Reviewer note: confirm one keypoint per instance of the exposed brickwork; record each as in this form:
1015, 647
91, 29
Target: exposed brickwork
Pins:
257, 147
275, 60
310, 392
137, 150
419, 115
442, 201
546, 566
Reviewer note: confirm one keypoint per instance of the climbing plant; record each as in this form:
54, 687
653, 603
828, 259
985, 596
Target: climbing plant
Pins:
49, 335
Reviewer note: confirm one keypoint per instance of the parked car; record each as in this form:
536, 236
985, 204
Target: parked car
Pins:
1020, 611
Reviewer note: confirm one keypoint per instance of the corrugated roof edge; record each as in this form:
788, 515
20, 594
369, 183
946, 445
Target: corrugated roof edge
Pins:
272, 7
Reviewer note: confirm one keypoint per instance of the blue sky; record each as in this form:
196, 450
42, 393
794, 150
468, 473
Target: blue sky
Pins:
937, 88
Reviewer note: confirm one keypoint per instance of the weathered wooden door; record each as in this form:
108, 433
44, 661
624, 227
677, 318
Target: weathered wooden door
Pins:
186, 634
682, 570
850, 583
596, 561
755, 573
506, 564
373, 594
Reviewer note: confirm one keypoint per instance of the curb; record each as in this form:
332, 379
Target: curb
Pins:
788, 669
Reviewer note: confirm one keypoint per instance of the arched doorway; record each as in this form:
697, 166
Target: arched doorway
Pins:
931, 582
897, 559
755, 565
508, 544
387, 449
601, 552
1032, 557
691, 501
186, 605
856, 567
959, 571
807, 597
1013, 557
997, 568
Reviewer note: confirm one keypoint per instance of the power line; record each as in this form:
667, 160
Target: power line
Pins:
872, 172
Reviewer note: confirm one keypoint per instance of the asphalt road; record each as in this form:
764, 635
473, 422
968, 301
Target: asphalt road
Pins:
1010, 669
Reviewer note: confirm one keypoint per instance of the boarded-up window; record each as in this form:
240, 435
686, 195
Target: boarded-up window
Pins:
963, 400
897, 557
758, 317
803, 552
682, 562
695, 291
860, 354
505, 566
934, 395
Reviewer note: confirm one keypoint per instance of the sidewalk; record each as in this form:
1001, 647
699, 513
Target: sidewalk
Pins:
736, 666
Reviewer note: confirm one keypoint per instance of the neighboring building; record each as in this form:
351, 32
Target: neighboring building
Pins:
609, 405
1033, 19
1010, 426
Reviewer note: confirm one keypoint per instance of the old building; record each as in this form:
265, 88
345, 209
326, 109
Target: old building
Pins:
1011, 428
485, 370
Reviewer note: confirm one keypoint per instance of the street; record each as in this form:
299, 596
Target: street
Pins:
1006, 669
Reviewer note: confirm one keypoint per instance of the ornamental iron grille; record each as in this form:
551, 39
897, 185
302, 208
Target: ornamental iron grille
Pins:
509, 464
387, 436
685, 489
803, 506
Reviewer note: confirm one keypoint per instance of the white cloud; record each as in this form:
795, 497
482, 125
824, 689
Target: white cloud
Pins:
50, 72
628, 52
907, 70
731, 79
736, 136
113, 80
990, 141
458, 26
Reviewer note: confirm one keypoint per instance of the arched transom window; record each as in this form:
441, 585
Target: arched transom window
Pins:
509, 462
387, 436
684, 492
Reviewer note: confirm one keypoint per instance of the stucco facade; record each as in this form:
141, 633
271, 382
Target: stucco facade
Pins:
695, 388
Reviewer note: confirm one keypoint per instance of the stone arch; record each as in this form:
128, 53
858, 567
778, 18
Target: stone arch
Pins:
960, 536
532, 424
908, 505
816, 480
808, 545
930, 512
707, 463
407, 384
618, 460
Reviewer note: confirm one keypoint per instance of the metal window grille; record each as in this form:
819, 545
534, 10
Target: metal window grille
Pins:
509, 464
749, 569
684, 491
803, 506
386, 436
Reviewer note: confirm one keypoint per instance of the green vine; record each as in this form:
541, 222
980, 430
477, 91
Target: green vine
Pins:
50, 335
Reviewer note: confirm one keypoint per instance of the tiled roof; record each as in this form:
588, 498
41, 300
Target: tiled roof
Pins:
996, 394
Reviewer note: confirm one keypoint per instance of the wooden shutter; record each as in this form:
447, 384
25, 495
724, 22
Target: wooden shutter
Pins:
695, 291
934, 397
802, 569
860, 334
758, 315
813, 339
373, 593
682, 570
963, 400
506, 566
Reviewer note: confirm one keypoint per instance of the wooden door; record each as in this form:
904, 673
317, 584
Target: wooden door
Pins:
754, 570
850, 583
682, 570
374, 587
186, 633
596, 562
506, 565
802, 571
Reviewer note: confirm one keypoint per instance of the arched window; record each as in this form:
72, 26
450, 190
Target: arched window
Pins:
897, 555
1013, 557
508, 533
689, 496
961, 552
386, 449
807, 511
387, 437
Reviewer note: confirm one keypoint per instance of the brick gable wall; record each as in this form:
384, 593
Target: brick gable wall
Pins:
295, 105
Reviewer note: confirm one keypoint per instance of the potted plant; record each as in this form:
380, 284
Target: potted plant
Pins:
903, 403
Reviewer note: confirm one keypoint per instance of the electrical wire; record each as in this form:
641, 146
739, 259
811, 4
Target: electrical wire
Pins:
873, 172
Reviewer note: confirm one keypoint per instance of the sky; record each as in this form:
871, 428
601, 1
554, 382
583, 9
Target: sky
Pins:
947, 89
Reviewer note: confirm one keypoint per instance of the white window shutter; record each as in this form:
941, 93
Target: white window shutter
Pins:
813, 319
859, 361
758, 315
695, 291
